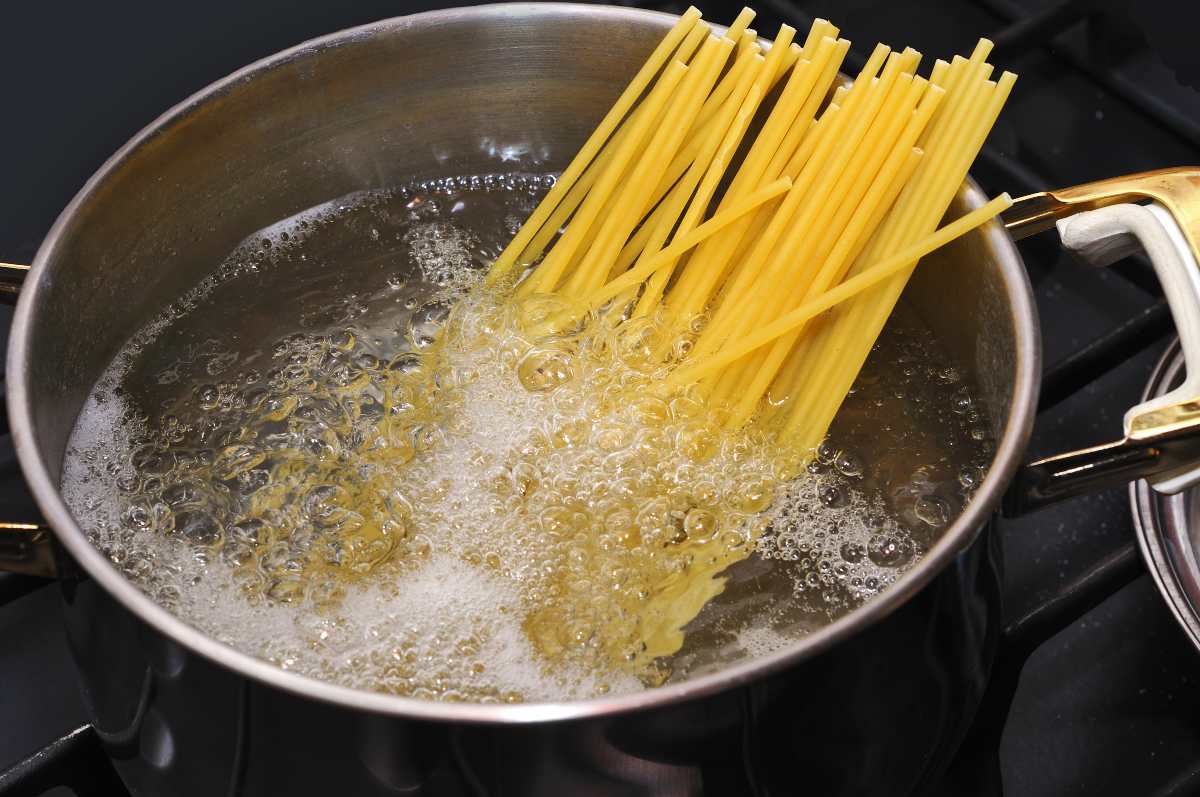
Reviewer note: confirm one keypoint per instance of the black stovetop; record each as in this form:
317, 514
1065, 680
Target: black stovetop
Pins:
1104, 690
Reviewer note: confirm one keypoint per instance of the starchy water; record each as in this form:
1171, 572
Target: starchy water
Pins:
342, 456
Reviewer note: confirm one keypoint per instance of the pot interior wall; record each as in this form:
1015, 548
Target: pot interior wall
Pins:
959, 291
399, 102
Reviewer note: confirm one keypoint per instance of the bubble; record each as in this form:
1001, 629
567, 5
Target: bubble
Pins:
831, 495
932, 510
637, 343
699, 443
525, 479
700, 524
853, 551
151, 461
198, 527
755, 496
544, 369
848, 464
571, 434
649, 410
138, 515
286, 590
183, 493
889, 550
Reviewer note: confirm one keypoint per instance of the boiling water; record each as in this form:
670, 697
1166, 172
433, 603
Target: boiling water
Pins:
375, 478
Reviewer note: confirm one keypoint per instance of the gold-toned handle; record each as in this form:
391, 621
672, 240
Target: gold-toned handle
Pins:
1160, 442
27, 548
1176, 189
12, 276
1053, 479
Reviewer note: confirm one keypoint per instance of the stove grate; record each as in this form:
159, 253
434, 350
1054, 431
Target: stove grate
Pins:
75, 762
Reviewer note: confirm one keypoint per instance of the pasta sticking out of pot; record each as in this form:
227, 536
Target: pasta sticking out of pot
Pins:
823, 196
531, 478
749, 239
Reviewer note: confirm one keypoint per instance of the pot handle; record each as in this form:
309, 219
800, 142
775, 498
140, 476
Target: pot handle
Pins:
25, 548
12, 276
1099, 223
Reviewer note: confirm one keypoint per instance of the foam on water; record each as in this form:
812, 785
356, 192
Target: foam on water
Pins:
383, 483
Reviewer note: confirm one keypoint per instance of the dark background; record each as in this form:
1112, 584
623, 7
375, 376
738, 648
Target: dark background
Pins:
80, 78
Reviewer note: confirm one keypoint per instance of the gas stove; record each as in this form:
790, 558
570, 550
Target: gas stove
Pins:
1094, 691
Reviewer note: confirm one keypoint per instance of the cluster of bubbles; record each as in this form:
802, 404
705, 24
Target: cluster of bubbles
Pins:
905, 454
892, 500
416, 495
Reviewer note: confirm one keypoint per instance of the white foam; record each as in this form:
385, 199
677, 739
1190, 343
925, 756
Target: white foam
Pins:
442, 251
762, 640
434, 607
854, 546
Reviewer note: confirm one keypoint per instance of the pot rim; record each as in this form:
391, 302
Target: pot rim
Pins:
1165, 524
958, 536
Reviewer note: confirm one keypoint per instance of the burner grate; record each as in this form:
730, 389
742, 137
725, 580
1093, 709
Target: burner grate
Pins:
75, 762
13, 586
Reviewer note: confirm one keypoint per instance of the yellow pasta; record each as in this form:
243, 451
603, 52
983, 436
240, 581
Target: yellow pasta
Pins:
548, 273
834, 192
836, 357
846, 231
635, 196
749, 222
868, 278
749, 59
507, 259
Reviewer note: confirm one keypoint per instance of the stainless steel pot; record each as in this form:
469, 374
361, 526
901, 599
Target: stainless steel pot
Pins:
1167, 524
460, 91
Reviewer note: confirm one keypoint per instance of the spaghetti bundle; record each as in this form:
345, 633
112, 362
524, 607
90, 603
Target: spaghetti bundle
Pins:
762, 214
